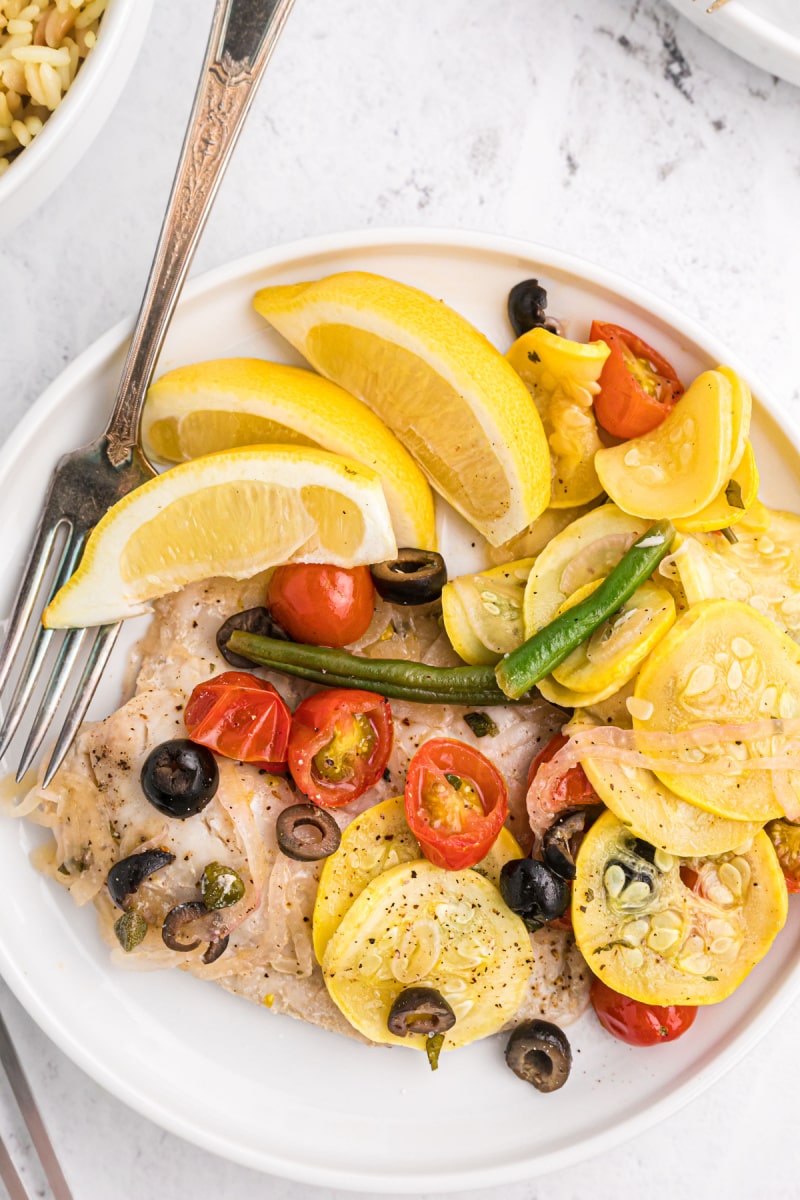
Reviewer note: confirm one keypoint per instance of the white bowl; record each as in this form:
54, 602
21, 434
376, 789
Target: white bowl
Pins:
72, 128
765, 32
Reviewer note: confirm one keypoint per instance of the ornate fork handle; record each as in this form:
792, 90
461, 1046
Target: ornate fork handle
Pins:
243, 36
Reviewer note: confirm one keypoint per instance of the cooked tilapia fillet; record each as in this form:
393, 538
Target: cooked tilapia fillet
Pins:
98, 814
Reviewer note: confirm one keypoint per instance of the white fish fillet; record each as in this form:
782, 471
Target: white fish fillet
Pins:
97, 813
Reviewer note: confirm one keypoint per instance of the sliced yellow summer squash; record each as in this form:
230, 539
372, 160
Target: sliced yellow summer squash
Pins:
585, 551
678, 468
377, 840
562, 376
650, 810
483, 613
669, 930
732, 502
723, 664
419, 924
617, 648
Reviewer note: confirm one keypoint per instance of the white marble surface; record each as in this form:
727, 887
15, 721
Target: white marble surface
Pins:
609, 128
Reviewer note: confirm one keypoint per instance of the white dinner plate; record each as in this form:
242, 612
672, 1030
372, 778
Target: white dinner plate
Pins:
265, 1090
765, 32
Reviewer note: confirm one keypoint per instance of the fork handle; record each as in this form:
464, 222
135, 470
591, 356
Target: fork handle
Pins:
243, 36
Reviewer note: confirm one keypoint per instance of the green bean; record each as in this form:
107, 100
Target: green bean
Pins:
398, 679
540, 654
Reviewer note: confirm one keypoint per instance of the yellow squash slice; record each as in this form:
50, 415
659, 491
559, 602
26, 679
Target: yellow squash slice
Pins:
678, 468
418, 925
562, 378
483, 613
616, 649
762, 567
669, 930
723, 663
651, 811
377, 840
742, 401
731, 504
586, 550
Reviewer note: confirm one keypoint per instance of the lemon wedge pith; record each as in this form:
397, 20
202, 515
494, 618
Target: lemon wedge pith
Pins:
233, 513
450, 397
225, 403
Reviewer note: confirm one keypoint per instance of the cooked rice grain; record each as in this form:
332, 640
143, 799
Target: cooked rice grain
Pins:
42, 45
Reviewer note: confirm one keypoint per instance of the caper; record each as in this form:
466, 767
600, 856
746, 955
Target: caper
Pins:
221, 886
131, 929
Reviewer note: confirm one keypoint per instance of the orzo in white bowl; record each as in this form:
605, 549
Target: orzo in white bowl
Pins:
63, 64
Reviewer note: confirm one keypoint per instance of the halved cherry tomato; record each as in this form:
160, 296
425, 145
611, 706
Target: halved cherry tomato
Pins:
322, 604
785, 838
573, 789
456, 803
638, 388
340, 744
636, 1023
241, 717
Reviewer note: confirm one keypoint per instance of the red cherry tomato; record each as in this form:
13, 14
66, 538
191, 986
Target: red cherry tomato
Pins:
321, 604
340, 744
636, 1023
638, 388
241, 717
573, 789
456, 803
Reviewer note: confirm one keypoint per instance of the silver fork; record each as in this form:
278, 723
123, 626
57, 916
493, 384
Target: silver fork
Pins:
88, 481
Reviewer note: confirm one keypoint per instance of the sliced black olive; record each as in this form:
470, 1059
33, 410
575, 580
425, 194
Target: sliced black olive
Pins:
534, 891
126, 876
643, 849
216, 950
221, 886
562, 840
420, 1010
307, 833
527, 302
131, 929
209, 927
414, 577
252, 620
540, 1053
179, 778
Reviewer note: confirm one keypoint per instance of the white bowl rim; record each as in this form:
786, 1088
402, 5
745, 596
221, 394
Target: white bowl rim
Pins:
750, 35
150, 1106
118, 21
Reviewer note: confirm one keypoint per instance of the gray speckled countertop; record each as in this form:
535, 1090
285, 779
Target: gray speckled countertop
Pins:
611, 129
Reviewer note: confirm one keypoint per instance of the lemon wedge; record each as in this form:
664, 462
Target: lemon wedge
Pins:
233, 513
229, 402
452, 399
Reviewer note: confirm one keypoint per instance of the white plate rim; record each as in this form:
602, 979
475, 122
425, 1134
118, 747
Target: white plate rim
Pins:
48, 1018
